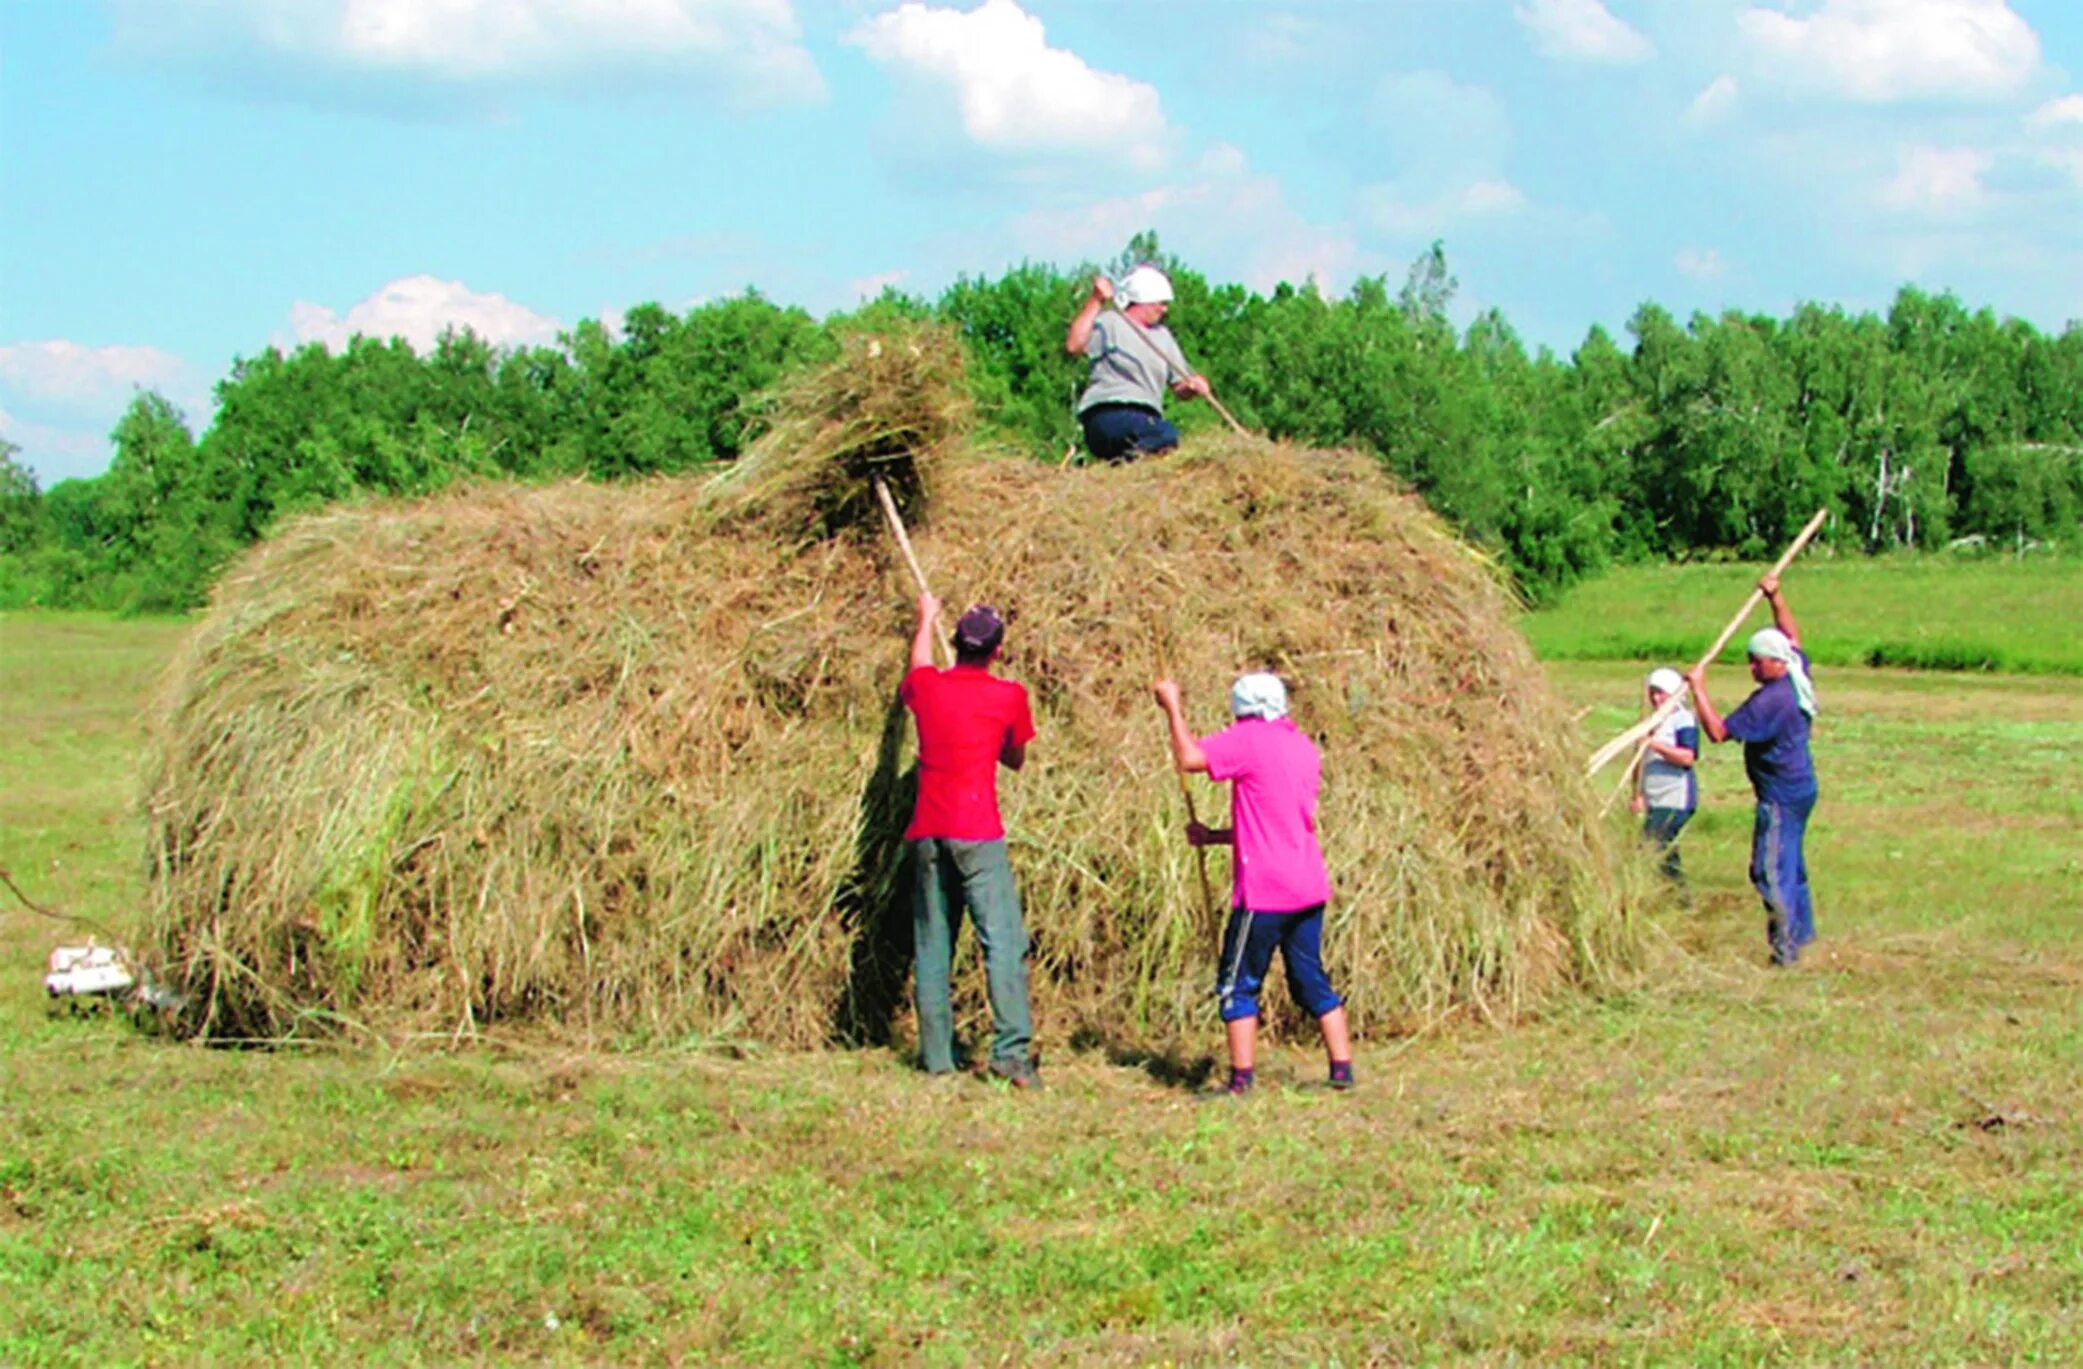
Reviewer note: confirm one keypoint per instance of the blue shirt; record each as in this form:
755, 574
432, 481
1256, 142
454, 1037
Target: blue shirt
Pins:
1774, 733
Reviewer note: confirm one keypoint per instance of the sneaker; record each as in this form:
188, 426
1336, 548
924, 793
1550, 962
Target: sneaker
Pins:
1021, 1074
1342, 1075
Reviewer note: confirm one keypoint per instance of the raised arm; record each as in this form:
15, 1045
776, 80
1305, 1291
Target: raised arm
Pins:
1782, 612
1186, 749
1703, 707
1080, 333
922, 635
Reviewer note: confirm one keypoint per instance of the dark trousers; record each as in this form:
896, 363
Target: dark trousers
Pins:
947, 876
1248, 944
1662, 826
1123, 432
1779, 871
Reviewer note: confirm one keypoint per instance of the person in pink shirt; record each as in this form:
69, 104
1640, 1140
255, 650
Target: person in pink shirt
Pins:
1280, 884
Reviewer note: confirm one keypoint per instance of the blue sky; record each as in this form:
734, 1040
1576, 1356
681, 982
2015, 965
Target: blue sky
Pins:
188, 182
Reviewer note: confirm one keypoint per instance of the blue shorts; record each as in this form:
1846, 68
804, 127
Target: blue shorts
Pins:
1123, 432
1247, 953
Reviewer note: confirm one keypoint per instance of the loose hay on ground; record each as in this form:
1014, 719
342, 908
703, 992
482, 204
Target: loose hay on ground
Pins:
627, 761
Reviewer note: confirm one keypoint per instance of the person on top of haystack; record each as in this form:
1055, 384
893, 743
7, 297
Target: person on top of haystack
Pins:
1135, 359
1773, 724
1280, 883
1669, 791
970, 722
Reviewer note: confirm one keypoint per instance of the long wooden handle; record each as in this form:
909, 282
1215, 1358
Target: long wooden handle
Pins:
896, 520
1200, 853
1605, 754
1227, 416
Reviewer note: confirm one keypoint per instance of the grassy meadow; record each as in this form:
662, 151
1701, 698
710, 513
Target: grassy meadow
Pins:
1989, 612
1874, 1158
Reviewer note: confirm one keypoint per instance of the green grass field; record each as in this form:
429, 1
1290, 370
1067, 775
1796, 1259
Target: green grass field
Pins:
1995, 613
1873, 1159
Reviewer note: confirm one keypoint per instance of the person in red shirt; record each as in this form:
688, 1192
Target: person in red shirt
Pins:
970, 722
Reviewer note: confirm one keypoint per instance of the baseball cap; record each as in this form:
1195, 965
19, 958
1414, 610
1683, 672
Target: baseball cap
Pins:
979, 629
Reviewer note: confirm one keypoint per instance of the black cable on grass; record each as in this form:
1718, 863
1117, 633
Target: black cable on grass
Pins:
7, 878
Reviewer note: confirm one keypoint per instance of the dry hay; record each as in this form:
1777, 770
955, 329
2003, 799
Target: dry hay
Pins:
626, 761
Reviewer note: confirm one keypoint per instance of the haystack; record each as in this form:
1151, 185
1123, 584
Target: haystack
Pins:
626, 761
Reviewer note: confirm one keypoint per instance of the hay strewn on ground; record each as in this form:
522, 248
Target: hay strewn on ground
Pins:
626, 761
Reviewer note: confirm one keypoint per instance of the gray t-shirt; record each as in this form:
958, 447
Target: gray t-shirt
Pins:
1130, 365
1665, 785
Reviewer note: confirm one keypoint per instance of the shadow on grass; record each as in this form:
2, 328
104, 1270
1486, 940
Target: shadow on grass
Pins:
1174, 1068
873, 901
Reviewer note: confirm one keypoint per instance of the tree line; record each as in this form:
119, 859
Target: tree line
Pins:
1712, 437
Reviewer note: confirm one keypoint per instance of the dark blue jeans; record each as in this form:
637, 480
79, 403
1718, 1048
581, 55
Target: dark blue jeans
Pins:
948, 875
1779, 871
1123, 432
1247, 954
1662, 826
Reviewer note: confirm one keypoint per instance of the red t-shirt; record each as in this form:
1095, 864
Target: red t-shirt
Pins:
966, 716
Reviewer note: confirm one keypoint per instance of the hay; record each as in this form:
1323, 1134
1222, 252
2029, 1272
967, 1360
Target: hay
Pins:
894, 406
626, 762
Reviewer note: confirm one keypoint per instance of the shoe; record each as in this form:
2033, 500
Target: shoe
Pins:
1342, 1076
1021, 1074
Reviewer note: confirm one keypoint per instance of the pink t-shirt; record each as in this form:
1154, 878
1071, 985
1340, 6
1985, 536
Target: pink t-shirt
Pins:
1279, 865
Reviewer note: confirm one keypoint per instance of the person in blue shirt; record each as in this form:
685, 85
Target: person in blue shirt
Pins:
1773, 724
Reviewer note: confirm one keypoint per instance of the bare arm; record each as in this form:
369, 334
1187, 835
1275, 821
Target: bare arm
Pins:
1080, 332
1186, 748
1200, 834
922, 635
1676, 755
1703, 707
1782, 612
1013, 754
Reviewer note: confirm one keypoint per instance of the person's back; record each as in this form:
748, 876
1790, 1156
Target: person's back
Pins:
970, 722
1278, 775
1281, 882
964, 715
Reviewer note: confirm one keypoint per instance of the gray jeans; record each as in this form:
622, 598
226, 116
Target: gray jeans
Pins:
947, 876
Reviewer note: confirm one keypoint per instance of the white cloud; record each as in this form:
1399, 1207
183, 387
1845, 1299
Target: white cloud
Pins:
1236, 224
1392, 208
1714, 103
1013, 93
1582, 31
418, 309
72, 373
871, 287
53, 453
1938, 179
1440, 134
2056, 113
1700, 264
2069, 162
1882, 50
750, 47
1224, 159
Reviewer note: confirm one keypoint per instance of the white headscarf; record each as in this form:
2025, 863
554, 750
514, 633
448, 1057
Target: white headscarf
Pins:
1665, 680
1145, 285
1770, 644
1258, 696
